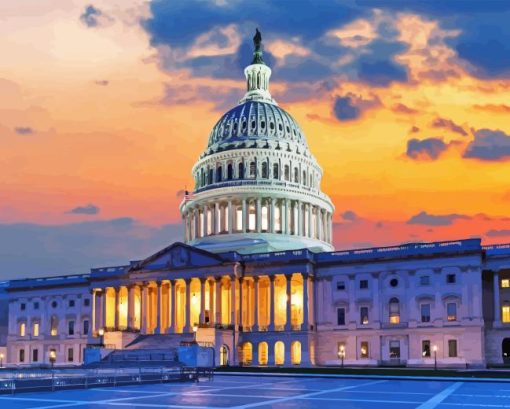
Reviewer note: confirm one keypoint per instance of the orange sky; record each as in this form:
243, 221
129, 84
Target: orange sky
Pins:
97, 132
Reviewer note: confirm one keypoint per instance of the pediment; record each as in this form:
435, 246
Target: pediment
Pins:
176, 256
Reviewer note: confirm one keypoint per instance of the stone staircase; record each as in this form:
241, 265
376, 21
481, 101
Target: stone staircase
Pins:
158, 342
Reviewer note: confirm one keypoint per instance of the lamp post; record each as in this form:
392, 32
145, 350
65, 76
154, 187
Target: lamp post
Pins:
53, 358
434, 348
341, 354
100, 332
195, 329
1, 360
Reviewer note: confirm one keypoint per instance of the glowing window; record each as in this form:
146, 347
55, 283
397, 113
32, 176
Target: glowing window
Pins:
505, 283
394, 311
264, 221
239, 218
364, 350
252, 218
35, 329
451, 311
295, 355
279, 353
22, 329
505, 313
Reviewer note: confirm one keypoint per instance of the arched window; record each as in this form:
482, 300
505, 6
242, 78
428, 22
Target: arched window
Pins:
240, 174
246, 353
202, 177
304, 178
264, 222
219, 173
295, 353
230, 172
265, 173
263, 352
296, 175
279, 353
211, 177
287, 173
224, 355
253, 169
276, 173
311, 180
394, 311
252, 217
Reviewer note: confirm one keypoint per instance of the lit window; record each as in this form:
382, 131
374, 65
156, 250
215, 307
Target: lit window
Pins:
452, 348
364, 350
505, 283
22, 329
252, 218
425, 349
505, 313
425, 280
394, 311
35, 329
53, 326
451, 311
264, 222
425, 312
363, 315
341, 350
395, 349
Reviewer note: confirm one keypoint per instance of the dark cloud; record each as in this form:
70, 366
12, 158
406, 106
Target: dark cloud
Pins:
450, 125
489, 145
426, 219
102, 83
498, 233
350, 106
403, 109
39, 250
89, 209
93, 17
24, 130
430, 148
349, 215
381, 73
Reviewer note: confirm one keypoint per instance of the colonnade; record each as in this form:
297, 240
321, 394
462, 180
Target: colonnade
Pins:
259, 215
255, 303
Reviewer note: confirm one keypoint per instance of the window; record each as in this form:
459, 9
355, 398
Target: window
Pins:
264, 222
241, 171
505, 313
22, 329
425, 312
252, 217
71, 303
70, 327
425, 348
23, 306
340, 285
363, 350
265, 171
70, 355
451, 311
85, 327
296, 175
86, 302
393, 282
35, 329
505, 283
452, 348
35, 355
394, 308
36, 305
451, 278
275, 171
340, 316
287, 172
363, 312
363, 284
53, 304
253, 169
425, 280
230, 172
54, 326
22, 355
341, 350
394, 349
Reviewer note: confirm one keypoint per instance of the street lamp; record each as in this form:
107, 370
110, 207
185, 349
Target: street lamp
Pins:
341, 354
195, 329
1, 360
434, 348
53, 358
100, 332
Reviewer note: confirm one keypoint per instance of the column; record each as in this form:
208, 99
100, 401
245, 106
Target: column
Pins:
233, 319
309, 214
159, 316
188, 323
145, 303
202, 301
271, 303
497, 305
131, 307
101, 314
171, 306
105, 308
216, 227
217, 289
271, 216
116, 311
256, 306
230, 217
288, 278
299, 227
241, 309
206, 220
93, 317
212, 314
285, 217
258, 210
245, 217
306, 318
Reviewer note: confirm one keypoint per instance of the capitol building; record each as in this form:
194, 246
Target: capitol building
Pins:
258, 279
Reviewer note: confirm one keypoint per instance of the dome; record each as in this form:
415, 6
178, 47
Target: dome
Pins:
255, 120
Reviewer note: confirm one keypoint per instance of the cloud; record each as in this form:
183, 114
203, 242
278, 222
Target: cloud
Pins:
93, 17
39, 250
350, 106
426, 219
24, 130
89, 209
403, 109
102, 83
496, 108
489, 145
414, 129
349, 215
429, 148
450, 125
381, 73
498, 233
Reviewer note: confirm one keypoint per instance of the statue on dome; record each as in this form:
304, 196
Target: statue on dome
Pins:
257, 42
257, 39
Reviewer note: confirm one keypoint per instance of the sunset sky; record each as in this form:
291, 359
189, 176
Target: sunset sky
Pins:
106, 105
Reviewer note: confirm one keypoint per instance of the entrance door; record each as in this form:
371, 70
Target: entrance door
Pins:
505, 350
224, 355
395, 350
